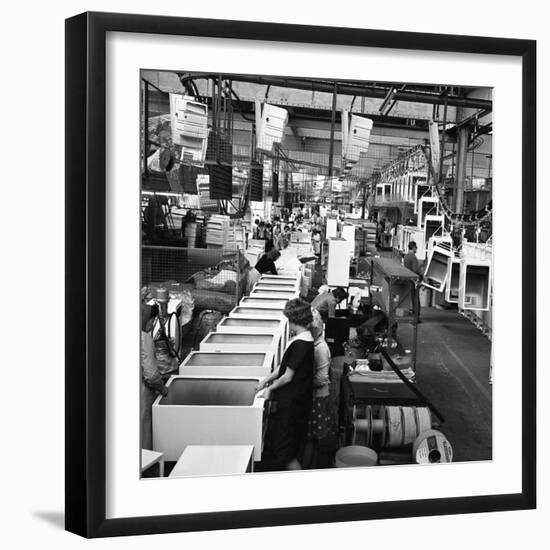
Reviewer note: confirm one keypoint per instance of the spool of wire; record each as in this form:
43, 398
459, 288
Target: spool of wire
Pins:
432, 447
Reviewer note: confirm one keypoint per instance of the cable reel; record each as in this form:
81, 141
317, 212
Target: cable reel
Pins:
389, 427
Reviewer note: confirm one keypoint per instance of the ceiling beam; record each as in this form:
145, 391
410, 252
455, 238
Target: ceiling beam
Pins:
358, 89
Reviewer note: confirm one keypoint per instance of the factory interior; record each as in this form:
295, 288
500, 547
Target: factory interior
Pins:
316, 274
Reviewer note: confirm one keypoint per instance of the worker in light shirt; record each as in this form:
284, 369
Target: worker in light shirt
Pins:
326, 302
316, 240
321, 426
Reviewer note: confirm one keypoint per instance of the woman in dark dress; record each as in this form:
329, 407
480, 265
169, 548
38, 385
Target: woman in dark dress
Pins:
290, 387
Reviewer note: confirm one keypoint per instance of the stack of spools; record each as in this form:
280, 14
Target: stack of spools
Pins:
395, 428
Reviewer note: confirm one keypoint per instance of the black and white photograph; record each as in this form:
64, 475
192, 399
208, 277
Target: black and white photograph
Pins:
291, 296
316, 273
292, 257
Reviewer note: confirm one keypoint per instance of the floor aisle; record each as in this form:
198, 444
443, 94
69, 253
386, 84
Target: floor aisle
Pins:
453, 372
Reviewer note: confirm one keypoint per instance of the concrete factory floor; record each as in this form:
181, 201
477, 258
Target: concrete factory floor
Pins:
453, 373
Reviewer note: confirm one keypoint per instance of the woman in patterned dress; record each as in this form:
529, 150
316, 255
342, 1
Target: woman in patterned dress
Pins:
320, 426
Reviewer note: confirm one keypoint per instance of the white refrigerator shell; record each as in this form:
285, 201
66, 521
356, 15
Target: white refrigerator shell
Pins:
177, 422
280, 280
269, 294
338, 263
357, 136
332, 228
452, 288
255, 325
475, 285
237, 342
427, 206
264, 302
437, 267
348, 233
253, 310
262, 286
243, 363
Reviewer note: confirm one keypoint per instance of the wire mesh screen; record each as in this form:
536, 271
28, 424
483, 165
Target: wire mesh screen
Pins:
275, 186
221, 182
256, 182
219, 159
183, 179
204, 271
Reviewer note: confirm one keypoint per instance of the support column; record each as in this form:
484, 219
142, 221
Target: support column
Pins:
332, 125
462, 146
285, 187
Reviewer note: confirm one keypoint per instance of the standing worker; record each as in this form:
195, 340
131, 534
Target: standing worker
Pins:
316, 240
326, 302
410, 261
285, 236
321, 421
387, 237
255, 228
268, 237
379, 232
260, 232
277, 237
290, 387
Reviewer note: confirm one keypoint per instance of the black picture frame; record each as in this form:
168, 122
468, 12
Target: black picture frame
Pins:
86, 278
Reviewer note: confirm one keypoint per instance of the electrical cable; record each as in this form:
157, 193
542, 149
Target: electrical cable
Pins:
253, 121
